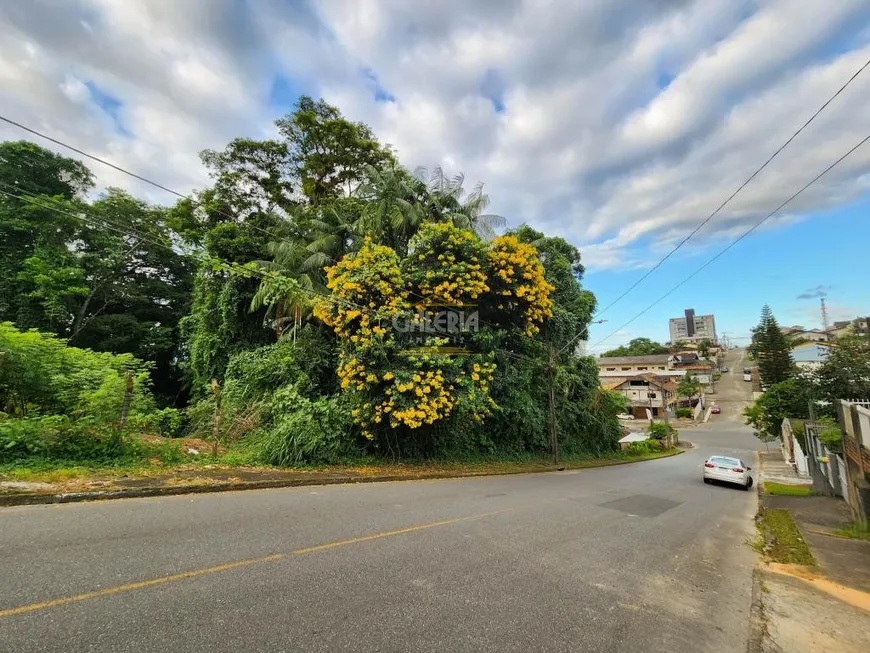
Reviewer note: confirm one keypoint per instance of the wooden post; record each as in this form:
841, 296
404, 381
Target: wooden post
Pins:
216, 426
128, 398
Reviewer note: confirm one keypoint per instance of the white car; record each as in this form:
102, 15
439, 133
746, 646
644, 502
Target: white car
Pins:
727, 470
624, 416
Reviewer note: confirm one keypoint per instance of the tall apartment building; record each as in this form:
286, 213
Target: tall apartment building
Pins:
693, 328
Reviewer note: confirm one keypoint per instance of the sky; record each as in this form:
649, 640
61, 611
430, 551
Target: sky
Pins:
619, 125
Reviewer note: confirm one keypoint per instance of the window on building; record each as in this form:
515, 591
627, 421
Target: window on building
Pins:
625, 369
611, 369
641, 369
652, 395
661, 367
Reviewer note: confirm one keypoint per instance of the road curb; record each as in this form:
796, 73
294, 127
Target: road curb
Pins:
757, 622
163, 491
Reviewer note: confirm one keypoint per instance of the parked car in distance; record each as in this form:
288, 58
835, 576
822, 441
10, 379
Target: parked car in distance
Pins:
727, 470
624, 416
715, 409
723, 369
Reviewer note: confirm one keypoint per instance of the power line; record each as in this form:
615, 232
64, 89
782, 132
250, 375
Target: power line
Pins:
738, 239
734, 194
179, 194
98, 222
224, 265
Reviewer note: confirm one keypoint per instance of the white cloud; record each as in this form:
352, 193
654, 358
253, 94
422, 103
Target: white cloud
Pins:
624, 123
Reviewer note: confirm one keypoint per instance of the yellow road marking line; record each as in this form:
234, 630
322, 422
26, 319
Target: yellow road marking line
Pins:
400, 531
135, 586
235, 565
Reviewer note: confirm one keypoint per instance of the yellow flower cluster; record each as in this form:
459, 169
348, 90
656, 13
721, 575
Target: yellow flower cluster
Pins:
521, 280
418, 396
368, 290
423, 399
351, 373
451, 258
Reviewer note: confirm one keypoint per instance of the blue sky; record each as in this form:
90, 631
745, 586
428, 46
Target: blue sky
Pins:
820, 254
617, 129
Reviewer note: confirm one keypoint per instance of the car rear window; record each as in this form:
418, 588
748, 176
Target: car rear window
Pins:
721, 460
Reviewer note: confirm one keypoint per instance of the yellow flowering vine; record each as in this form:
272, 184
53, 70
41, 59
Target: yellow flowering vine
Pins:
517, 283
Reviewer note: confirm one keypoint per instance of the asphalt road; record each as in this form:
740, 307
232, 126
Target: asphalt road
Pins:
642, 557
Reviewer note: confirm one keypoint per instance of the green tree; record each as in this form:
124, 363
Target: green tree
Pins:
771, 350
689, 386
104, 275
329, 155
845, 371
789, 398
448, 200
389, 215
638, 347
33, 170
704, 347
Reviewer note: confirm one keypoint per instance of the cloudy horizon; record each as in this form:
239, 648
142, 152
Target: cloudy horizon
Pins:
617, 125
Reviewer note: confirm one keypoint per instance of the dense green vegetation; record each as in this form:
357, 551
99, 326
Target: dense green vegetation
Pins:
260, 312
638, 347
843, 374
771, 349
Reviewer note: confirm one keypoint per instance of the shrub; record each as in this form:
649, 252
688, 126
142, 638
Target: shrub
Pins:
167, 422
684, 412
56, 436
830, 434
647, 446
40, 373
306, 431
660, 431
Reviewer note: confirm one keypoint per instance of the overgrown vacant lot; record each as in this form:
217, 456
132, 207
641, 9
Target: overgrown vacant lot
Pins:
291, 314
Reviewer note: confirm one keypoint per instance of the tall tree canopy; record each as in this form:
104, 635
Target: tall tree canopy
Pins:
638, 347
282, 279
103, 274
771, 350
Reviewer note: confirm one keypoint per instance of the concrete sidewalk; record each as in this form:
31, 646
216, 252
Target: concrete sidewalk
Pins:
841, 560
823, 608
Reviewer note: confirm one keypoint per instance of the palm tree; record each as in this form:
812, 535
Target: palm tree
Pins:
316, 238
449, 200
390, 214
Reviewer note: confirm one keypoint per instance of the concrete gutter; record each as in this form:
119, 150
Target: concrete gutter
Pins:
33, 498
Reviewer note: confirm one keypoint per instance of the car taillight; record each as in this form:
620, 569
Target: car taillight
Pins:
708, 465
737, 469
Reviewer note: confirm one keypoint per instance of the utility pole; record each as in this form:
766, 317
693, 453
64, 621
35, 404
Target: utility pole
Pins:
551, 422
665, 411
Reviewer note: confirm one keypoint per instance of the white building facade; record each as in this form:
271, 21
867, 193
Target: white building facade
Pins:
693, 328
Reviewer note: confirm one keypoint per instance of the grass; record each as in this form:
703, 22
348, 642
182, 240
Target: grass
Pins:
784, 490
855, 531
52, 471
59, 471
782, 540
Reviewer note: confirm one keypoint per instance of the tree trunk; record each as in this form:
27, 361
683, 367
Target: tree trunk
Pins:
80, 316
